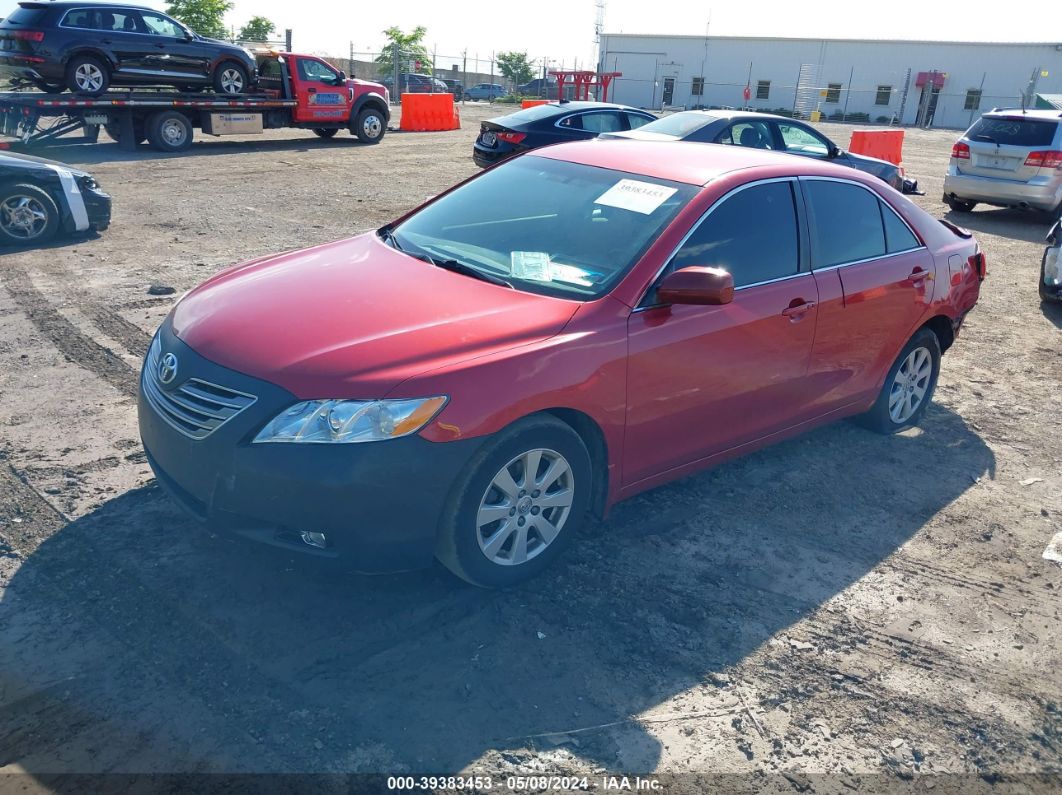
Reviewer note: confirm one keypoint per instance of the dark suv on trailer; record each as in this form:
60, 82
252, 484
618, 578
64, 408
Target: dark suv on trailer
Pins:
87, 47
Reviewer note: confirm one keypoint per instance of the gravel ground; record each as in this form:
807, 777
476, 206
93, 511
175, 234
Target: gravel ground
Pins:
840, 611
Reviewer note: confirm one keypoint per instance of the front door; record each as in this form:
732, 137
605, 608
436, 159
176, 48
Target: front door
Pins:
172, 53
320, 93
876, 282
669, 90
704, 379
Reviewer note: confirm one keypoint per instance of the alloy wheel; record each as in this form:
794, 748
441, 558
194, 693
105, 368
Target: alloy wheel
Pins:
232, 81
372, 125
88, 77
23, 217
910, 385
525, 507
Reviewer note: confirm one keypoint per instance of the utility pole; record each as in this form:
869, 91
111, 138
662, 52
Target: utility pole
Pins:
464, 74
350, 61
847, 94
395, 55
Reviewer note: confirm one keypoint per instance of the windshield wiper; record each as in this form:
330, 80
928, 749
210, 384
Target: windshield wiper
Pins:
468, 270
387, 234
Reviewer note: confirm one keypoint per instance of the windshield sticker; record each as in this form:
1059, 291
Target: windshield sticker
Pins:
533, 265
636, 196
572, 274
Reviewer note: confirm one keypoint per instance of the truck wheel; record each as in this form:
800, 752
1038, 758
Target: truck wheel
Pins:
370, 126
230, 78
86, 74
325, 132
139, 132
169, 131
27, 215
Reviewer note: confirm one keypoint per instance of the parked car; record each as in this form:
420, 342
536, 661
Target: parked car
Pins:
762, 131
539, 87
542, 341
488, 91
1008, 158
1051, 265
87, 47
555, 122
41, 198
454, 87
411, 83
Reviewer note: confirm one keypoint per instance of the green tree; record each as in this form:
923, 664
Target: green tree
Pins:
257, 29
205, 17
515, 66
411, 46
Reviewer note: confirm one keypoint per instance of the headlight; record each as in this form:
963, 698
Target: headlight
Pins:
88, 182
347, 421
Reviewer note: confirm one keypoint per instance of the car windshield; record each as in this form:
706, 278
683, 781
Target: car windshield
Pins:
1013, 131
679, 124
547, 226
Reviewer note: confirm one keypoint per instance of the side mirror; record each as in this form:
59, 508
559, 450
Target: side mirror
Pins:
697, 285
833, 152
342, 75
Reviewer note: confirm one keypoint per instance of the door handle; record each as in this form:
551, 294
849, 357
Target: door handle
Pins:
798, 310
918, 275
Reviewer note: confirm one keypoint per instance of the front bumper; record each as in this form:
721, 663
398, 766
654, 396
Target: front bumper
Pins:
98, 208
1041, 193
378, 503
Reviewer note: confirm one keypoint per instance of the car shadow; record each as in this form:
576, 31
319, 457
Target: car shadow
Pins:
1028, 225
133, 640
1052, 311
59, 241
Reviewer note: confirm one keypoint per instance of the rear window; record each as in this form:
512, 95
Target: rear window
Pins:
532, 114
679, 124
1013, 131
25, 17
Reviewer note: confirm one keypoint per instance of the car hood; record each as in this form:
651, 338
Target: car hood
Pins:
31, 163
640, 135
355, 83
355, 318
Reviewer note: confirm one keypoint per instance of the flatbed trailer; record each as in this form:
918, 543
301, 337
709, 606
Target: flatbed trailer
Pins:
304, 98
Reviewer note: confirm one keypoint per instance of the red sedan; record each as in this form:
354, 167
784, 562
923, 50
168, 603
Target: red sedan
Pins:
550, 337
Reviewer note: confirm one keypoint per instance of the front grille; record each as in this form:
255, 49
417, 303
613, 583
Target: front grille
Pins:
196, 408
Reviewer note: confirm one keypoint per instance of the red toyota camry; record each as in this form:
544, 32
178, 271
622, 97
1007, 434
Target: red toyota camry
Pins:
548, 338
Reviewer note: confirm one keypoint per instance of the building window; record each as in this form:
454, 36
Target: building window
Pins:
833, 92
763, 89
698, 87
884, 96
973, 99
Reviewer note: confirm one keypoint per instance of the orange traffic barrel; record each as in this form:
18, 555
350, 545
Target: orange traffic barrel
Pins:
530, 103
428, 113
882, 144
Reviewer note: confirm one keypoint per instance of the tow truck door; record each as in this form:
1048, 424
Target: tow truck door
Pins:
320, 92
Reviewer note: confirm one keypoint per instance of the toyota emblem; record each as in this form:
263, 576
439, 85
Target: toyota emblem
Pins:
167, 369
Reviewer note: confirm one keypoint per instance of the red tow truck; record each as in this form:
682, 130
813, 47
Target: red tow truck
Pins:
293, 90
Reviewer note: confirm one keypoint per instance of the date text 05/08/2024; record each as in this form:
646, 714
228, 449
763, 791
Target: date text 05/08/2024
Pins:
606, 783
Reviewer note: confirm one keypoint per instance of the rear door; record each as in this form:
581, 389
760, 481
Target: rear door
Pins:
875, 282
320, 93
1000, 147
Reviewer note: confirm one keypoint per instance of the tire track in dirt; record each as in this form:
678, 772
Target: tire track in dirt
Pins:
133, 338
71, 342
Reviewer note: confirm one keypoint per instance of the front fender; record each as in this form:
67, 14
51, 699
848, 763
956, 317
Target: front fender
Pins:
370, 99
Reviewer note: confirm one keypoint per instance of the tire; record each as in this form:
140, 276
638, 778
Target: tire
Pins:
958, 205
325, 132
139, 131
88, 75
487, 555
230, 78
892, 411
169, 131
467, 97
370, 126
28, 215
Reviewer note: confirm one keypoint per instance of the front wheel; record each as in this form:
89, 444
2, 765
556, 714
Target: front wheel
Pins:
909, 386
958, 205
370, 126
169, 131
230, 78
517, 505
325, 132
28, 215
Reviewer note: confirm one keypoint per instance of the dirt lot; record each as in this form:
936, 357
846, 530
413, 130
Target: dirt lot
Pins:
845, 604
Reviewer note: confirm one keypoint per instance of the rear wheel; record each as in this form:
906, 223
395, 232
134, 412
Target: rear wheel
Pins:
909, 386
169, 131
516, 506
230, 78
28, 215
958, 205
86, 74
325, 132
370, 126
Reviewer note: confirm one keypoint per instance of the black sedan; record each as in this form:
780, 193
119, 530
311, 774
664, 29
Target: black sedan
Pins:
87, 47
760, 131
553, 123
40, 198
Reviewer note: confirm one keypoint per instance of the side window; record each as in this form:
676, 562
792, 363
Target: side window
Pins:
897, 236
162, 26
753, 134
846, 224
801, 141
636, 120
602, 122
752, 234
84, 18
317, 72
571, 122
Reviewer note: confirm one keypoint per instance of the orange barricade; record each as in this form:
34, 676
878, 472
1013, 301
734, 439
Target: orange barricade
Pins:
429, 113
882, 144
530, 103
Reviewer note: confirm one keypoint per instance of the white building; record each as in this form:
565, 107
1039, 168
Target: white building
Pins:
937, 83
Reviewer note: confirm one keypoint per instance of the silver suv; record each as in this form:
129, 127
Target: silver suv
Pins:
1009, 158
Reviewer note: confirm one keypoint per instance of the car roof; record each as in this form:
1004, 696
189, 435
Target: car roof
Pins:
734, 114
567, 106
1047, 115
87, 4
683, 161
